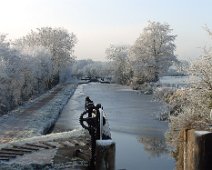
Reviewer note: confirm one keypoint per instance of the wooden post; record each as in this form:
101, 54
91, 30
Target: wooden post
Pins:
203, 150
105, 155
195, 150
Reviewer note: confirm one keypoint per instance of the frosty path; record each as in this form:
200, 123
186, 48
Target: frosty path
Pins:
23, 145
37, 117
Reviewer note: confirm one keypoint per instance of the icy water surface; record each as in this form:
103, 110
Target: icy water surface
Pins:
139, 137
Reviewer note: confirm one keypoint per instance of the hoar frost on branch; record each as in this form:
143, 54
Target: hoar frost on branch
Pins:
196, 102
58, 41
23, 74
151, 55
91, 69
31, 65
119, 57
38, 61
153, 52
202, 69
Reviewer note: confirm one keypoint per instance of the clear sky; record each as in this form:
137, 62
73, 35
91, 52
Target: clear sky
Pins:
99, 23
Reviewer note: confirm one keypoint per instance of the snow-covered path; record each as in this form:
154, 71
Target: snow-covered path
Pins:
36, 117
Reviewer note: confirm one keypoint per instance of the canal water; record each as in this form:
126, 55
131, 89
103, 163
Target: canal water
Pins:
139, 136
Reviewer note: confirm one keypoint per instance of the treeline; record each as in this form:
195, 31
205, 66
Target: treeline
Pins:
38, 61
149, 57
91, 69
33, 64
143, 62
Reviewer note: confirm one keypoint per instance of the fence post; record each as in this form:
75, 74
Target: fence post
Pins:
105, 155
195, 150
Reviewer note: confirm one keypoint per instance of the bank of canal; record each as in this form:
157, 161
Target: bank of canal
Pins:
139, 137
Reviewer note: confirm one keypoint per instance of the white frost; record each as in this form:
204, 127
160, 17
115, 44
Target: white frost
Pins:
201, 133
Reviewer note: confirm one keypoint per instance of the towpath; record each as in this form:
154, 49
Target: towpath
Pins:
35, 117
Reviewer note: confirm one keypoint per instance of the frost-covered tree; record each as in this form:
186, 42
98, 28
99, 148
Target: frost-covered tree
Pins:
58, 41
104, 69
90, 68
37, 62
24, 74
194, 104
153, 52
31, 65
10, 80
78, 68
4, 47
179, 67
202, 69
119, 55
182, 65
25, 71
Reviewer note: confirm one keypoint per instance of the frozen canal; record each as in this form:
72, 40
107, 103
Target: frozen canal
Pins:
138, 135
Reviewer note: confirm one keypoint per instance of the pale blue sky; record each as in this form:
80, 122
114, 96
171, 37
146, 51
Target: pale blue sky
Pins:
99, 23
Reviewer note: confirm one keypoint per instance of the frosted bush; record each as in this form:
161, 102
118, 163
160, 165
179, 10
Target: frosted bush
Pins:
193, 111
33, 64
196, 102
